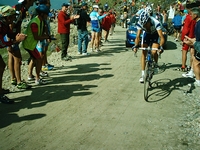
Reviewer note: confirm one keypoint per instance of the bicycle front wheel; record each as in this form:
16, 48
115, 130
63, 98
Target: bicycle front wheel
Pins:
147, 81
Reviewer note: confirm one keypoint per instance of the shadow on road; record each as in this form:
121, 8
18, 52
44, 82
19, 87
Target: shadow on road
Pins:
164, 87
65, 84
171, 45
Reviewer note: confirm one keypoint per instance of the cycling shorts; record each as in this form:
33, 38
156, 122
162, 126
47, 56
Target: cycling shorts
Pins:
150, 38
178, 28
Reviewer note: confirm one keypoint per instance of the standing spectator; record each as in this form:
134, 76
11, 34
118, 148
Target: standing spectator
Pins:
95, 27
106, 25
7, 16
165, 19
35, 33
177, 23
43, 45
187, 30
14, 53
113, 21
82, 30
185, 13
64, 21
196, 42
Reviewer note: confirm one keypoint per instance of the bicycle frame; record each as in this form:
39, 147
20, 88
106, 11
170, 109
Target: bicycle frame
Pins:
149, 71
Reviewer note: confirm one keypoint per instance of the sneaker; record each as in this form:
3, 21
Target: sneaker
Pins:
5, 91
46, 68
188, 75
14, 82
91, 49
4, 99
23, 85
40, 82
79, 53
106, 41
141, 80
44, 74
66, 58
196, 84
31, 78
85, 54
98, 50
49, 65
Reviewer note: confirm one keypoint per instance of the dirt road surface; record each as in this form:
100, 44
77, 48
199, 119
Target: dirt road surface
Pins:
96, 103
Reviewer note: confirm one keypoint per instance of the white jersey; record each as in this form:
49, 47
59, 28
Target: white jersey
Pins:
155, 26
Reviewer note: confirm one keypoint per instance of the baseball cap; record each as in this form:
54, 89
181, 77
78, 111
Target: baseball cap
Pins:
84, 4
95, 6
66, 4
7, 11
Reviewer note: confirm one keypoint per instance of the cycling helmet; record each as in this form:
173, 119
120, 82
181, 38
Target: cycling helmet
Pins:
7, 11
143, 18
42, 9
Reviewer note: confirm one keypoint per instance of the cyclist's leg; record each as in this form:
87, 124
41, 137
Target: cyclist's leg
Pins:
154, 52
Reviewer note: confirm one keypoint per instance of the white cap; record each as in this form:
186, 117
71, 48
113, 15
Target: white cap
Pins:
20, 1
95, 6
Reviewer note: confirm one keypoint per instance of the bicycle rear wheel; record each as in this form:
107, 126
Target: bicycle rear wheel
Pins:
147, 81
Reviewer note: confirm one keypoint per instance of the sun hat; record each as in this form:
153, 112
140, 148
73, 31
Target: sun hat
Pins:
7, 11
95, 6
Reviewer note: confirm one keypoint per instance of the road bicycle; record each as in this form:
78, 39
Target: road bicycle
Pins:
149, 70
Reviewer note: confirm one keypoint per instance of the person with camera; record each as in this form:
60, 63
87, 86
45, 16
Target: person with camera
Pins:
82, 29
195, 13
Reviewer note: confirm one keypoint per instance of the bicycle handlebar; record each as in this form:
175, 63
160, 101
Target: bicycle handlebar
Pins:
148, 48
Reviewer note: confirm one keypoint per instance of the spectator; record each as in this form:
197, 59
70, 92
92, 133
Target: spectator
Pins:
64, 21
195, 13
35, 33
7, 16
82, 30
177, 23
43, 45
14, 53
188, 29
106, 25
95, 27
113, 21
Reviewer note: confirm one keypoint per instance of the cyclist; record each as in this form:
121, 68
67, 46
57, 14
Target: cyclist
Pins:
152, 36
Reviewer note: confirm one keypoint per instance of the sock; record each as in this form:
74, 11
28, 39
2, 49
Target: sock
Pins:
142, 72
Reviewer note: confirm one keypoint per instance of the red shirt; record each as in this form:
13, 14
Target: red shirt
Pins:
187, 26
106, 23
64, 22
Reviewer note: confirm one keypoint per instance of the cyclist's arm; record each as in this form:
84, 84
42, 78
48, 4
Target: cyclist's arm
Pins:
137, 39
162, 39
